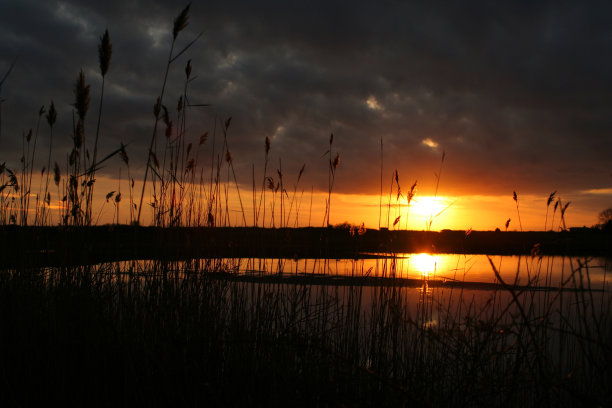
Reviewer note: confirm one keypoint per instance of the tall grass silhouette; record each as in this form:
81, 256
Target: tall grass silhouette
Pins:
46, 199
310, 343
180, 22
194, 331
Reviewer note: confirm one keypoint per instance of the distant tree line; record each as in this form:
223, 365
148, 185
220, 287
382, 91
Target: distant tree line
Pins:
605, 219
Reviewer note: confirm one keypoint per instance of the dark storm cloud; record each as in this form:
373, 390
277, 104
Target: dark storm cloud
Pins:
516, 93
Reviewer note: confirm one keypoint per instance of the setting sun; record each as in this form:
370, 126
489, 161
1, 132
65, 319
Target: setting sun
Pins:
429, 206
424, 211
425, 264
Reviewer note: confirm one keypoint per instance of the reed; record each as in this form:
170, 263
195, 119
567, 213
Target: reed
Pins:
285, 343
333, 164
177, 197
180, 22
262, 197
518, 213
438, 176
230, 162
381, 184
8, 183
551, 198
25, 153
51, 119
77, 188
105, 52
41, 112
295, 186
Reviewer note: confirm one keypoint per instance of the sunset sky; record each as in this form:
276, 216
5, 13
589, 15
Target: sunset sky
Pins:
517, 94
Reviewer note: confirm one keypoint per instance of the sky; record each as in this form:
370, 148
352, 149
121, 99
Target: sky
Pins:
516, 95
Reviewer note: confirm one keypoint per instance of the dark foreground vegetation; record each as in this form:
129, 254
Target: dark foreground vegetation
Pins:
163, 334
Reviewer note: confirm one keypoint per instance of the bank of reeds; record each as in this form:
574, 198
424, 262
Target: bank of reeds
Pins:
168, 333
175, 175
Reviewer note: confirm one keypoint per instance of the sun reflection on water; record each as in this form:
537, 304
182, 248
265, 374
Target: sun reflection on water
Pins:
425, 264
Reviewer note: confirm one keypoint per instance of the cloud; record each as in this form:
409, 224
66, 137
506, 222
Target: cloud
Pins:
430, 143
373, 103
598, 191
516, 93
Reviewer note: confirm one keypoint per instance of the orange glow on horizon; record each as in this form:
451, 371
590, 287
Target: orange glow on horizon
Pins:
429, 209
477, 212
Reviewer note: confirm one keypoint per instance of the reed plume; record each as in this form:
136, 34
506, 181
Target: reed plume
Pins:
551, 198
76, 197
333, 164
563, 209
81, 93
515, 198
180, 22
105, 51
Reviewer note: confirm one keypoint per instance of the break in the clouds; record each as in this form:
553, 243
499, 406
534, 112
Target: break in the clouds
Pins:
518, 94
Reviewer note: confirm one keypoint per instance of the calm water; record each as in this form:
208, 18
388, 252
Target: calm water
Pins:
548, 270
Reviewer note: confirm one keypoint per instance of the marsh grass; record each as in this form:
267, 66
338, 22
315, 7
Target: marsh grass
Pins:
30, 169
182, 333
44, 210
180, 22
105, 51
180, 192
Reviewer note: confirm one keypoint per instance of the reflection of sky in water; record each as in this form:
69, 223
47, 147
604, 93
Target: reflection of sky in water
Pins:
544, 271
474, 268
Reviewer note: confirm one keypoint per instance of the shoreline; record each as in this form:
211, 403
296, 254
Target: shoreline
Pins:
68, 245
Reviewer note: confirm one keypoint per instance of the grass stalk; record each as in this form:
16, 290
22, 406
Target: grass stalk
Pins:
180, 22
41, 112
438, 175
230, 162
51, 118
518, 213
105, 51
381, 184
263, 185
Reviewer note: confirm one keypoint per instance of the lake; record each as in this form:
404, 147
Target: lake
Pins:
532, 270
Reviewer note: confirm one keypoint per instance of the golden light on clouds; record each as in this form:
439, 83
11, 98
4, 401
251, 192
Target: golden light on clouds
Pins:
598, 191
373, 103
278, 132
430, 143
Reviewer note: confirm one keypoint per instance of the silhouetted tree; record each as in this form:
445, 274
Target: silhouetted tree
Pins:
605, 219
